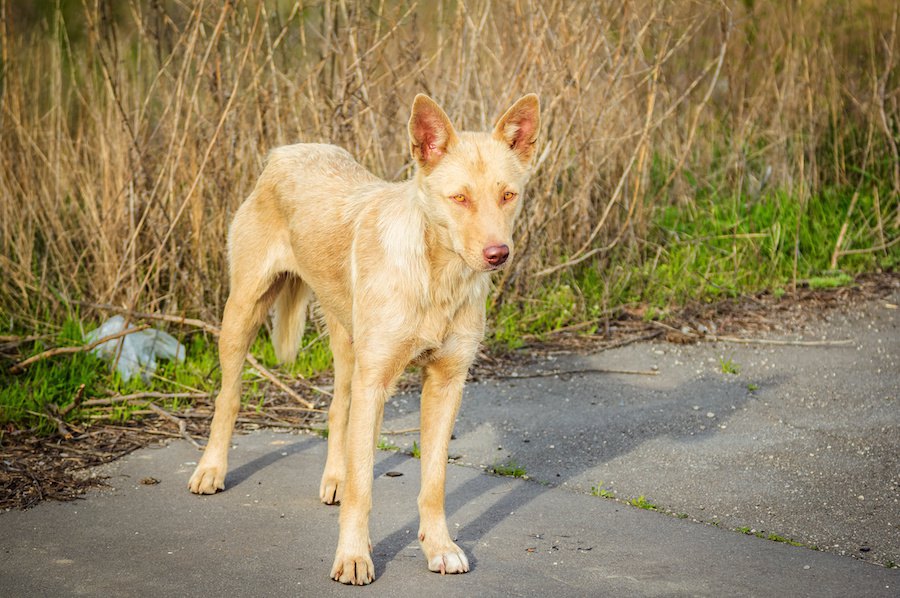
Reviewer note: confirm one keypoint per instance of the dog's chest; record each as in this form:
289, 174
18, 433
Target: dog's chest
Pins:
448, 311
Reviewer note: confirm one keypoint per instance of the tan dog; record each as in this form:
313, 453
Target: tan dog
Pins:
401, 271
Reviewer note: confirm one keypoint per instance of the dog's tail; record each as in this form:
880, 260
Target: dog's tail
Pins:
290, 318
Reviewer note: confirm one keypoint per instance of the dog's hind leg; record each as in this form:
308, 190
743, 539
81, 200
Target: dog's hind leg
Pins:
245, 310
262, 262
335, 468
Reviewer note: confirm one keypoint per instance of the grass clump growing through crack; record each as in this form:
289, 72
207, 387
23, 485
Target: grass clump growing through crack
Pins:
728, 366
510, 469
386, 445
602, 492
641, 502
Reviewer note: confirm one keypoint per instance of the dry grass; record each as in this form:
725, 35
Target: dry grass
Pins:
128, 137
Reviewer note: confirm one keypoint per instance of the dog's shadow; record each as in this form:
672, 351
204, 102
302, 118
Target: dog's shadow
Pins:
515, 496
240, 474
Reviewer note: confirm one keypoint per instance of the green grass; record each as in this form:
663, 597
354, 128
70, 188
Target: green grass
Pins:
385, 445
416, 452
777, 538
829, 281
24, 398
602, 492
711, 248
510, 469
641, 502
314, 355
728, 366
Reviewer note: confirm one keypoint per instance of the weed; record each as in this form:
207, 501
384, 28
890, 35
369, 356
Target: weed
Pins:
752, 387
745, 530
416, 452
598, 490
321, 432
728, 366
509, 469
385, 445
777, 538
641, 502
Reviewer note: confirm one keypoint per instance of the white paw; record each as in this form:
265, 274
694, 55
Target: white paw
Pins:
208, 478
451, 559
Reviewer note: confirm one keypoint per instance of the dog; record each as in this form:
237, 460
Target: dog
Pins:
401, 272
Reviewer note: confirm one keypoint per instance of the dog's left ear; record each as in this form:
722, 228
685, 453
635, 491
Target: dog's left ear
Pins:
518, 127
430, 133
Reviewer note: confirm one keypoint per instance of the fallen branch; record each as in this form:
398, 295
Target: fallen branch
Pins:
138, 396
159, 317
766, 341
67, 350
182, 425
274, 380
75, 404
713, 338
634, 339
403, 431
273, 423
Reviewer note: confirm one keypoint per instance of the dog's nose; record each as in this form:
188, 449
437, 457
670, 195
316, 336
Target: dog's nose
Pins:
496, 254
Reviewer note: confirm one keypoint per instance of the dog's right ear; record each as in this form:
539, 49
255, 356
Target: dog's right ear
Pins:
430, 133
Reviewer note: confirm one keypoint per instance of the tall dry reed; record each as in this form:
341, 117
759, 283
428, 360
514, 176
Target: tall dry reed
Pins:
130, 132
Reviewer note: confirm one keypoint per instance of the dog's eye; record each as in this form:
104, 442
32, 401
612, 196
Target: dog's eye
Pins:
508, 196
459, 198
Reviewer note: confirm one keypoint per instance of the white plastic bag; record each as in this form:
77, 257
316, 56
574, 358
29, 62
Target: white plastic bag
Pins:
139, 350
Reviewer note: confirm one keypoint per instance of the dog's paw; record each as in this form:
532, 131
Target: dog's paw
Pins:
207, 479
447, 559
330, 489
357, 570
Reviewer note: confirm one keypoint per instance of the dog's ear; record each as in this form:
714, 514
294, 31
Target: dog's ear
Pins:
518, 127
430, 133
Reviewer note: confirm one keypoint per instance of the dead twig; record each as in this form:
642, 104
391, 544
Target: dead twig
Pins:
182, 425
212, 329
274, 380
713, 338
75, 404
402, 431
837, 244
67, 350
767, 341
139, 396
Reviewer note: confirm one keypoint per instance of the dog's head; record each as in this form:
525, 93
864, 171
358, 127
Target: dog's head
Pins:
473, 182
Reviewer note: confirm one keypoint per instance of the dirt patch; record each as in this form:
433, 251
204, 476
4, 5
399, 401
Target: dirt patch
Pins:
35, 468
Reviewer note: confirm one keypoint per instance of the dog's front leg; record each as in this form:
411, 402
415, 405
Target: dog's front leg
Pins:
369, 391
441, 395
